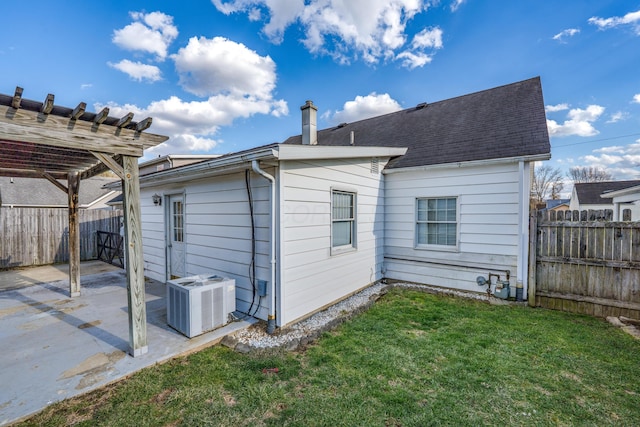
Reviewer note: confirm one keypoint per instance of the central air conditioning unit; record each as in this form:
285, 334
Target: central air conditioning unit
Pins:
198, 304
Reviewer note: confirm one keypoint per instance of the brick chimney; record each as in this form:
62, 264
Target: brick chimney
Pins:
309, 124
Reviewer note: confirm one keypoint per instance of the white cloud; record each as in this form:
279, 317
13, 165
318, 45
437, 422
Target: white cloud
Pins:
631, 18
84, 86
569, 32
137, 70
368, 30
455, 4
622, 161
231, 80
579, 122
255, 14
152, 33
610, 149
413, 60
554, 108
636, 98
236, 81
429, 38
617, 116
193, 125
363, 107
218, 65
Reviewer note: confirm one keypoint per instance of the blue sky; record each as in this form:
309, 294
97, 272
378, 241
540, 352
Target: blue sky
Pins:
220, 76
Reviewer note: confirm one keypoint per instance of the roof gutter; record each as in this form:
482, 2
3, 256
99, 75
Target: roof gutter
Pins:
203, 169
472, 163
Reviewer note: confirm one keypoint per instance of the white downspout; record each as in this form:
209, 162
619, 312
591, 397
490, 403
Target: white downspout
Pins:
522, 278
271, 319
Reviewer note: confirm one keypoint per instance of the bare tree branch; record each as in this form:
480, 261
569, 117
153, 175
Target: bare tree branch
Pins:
589, 174
547, 183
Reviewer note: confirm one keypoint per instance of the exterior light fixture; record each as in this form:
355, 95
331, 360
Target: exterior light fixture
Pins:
157, 199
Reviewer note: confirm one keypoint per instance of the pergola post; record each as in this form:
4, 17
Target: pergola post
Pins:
133, 257
73, 188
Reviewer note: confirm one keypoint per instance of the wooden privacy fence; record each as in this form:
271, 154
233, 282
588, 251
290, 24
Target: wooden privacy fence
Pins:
585, 263
38, 236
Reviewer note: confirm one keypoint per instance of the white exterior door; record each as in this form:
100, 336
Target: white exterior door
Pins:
175, 237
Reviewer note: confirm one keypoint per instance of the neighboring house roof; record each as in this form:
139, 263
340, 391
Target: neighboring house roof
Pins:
552, 204
588, 193
31, 192
116, 200
504, 122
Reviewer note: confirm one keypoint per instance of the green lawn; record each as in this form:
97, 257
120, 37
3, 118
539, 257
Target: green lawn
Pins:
414, 359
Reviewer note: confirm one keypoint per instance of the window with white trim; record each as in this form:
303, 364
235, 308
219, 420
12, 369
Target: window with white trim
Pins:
343, 220
437, 221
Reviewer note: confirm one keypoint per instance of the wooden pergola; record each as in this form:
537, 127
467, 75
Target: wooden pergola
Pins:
43, 140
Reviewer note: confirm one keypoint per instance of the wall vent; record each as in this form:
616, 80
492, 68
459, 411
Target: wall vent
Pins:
375, 165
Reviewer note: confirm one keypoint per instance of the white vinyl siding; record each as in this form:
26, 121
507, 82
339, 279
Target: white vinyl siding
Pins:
312, 275
487, 224
217, 232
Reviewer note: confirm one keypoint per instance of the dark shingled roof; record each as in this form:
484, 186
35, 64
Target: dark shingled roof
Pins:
589, 192
506, 121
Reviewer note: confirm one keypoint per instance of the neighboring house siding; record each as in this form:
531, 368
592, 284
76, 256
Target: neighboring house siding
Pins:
488, 225
217, 232
574, 204
311, 276
635, 210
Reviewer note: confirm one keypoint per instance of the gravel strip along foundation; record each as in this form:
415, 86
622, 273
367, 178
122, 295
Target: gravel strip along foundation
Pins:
299, 335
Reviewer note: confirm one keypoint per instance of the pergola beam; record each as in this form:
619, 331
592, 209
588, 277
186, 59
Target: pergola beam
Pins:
54, 181
29, 126
125, 121
144, 124
110, 163
47, 105
22, 173
78, 111
59, 163
101, 116
17, 98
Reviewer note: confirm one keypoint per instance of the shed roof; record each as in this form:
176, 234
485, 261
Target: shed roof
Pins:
589, 192
503, 122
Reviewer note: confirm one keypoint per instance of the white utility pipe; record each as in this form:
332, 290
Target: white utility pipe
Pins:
522, 267
271, 319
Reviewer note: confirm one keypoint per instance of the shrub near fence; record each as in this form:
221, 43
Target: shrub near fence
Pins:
39, 236
586, 263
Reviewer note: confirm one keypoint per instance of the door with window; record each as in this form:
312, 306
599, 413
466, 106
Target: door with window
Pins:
175, 237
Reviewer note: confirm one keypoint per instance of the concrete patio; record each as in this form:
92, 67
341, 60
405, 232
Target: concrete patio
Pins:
55, 347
